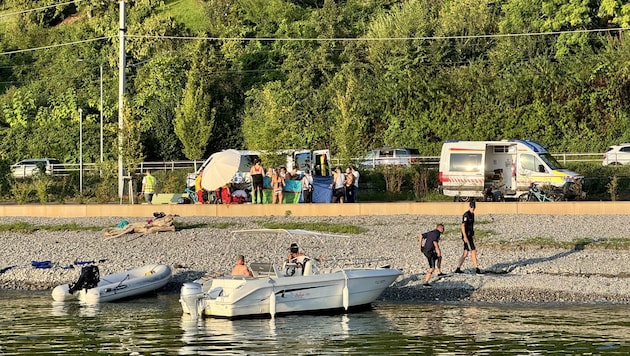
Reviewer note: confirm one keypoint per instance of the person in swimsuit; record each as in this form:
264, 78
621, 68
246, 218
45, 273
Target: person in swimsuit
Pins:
277, 183
256, 172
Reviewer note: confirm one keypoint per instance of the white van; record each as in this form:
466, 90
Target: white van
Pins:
469, 168
318, 162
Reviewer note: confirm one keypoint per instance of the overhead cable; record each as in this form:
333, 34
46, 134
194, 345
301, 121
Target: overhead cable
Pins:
38, 9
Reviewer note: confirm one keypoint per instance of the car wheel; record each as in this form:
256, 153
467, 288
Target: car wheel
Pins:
523, 197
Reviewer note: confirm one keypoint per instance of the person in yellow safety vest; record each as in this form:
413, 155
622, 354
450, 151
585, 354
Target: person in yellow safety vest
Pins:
148, 187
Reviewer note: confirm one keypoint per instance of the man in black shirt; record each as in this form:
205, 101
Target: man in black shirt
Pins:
468, 232
430, 246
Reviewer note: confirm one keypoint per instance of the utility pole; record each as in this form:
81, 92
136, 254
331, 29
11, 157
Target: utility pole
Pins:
101, 72
122, 63
81, 151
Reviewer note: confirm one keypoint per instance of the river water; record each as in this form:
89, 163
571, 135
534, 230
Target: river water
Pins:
31, 323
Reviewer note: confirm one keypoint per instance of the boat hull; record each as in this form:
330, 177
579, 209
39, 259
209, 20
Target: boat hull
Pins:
240, 297
117, 286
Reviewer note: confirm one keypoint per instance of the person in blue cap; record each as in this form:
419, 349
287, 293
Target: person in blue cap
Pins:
468, 232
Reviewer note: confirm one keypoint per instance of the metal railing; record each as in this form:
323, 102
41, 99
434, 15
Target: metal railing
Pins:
578, 157
60, 169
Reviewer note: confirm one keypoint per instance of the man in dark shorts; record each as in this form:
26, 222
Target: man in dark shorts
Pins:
430, 246
256, 172
468, 232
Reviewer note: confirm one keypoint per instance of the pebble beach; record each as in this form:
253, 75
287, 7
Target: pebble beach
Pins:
577, 268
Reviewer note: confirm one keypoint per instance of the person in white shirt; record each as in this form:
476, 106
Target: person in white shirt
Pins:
338, 186
307, 187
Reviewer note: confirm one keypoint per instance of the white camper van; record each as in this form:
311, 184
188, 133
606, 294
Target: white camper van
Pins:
469, 168
317, 161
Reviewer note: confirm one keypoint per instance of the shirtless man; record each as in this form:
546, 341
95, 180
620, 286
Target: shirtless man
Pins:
241, 269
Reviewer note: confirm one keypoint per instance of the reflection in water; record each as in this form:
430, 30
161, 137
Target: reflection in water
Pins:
514, 328
30, 323
74, 308
305, 332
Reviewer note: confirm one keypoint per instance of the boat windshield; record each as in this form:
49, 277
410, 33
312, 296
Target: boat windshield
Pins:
551, 161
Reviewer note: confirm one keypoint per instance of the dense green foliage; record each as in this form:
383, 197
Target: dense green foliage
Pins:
345, 75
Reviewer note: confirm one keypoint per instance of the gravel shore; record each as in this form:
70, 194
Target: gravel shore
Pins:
515, 269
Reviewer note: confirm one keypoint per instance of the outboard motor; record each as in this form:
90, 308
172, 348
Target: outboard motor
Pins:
89, 278
191, 299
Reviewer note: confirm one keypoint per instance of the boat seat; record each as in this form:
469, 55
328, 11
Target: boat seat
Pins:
215, 292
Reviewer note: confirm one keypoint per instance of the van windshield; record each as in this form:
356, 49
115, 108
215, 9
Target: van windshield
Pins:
247, 161
550, 161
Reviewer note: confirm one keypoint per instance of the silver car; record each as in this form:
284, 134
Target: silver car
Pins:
616, 155
390, 156
29, 167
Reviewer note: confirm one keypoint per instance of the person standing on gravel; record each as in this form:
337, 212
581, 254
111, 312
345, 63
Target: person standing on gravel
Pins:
430, 247
468, 232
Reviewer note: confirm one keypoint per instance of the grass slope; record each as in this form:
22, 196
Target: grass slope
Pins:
188, 12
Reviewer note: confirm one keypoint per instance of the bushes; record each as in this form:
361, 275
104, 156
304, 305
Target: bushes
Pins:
386, 183
5, 180
99, 185
604, 182
390, 183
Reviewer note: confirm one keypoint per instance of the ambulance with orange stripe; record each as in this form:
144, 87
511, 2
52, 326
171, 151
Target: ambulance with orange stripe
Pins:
469, 169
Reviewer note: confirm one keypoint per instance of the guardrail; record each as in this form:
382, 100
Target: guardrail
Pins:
578, 157
192, 166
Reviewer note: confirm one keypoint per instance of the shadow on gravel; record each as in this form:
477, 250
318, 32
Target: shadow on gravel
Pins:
507, 267
409, 290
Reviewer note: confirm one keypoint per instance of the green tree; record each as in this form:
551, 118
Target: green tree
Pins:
195, 117
158, 93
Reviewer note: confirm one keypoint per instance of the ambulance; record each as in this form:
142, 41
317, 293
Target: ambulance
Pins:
470, 169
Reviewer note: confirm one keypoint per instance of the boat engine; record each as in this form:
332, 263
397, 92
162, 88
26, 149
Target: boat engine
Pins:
89, 278
191, 298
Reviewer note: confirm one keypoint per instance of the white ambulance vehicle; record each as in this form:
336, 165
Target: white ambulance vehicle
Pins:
469, 169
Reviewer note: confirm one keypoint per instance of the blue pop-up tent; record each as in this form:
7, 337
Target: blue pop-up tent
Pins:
322, 192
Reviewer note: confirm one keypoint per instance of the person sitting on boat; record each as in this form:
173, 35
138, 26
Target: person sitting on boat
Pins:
241, 269
295, 260
295, 256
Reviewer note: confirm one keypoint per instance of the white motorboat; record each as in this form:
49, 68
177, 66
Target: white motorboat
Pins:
297, 287
91, 288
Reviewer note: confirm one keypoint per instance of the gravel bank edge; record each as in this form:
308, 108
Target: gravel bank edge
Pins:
512, 274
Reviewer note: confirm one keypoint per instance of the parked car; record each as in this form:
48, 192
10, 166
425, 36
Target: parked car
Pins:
615, 155
29, 167
390, 156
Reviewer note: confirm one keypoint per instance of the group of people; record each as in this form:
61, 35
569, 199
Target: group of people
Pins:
430, 245
278, 177
345, 185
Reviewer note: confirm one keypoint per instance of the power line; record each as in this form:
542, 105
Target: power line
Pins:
56, 45
356, 39
424, 38
39, 8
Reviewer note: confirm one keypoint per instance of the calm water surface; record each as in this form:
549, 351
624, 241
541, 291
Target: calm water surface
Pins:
31, 323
